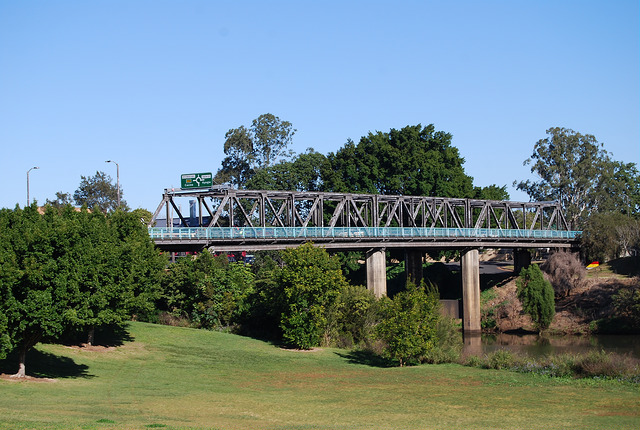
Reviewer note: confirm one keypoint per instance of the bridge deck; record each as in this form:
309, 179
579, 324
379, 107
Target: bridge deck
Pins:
256, 238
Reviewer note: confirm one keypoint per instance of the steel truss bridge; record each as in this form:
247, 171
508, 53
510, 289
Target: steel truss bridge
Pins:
228, 219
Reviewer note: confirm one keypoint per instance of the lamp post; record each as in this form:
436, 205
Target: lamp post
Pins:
33, 168
117, 177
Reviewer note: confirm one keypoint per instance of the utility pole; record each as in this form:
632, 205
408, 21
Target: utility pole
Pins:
117, 178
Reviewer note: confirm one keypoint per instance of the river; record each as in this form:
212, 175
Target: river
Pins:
534, 345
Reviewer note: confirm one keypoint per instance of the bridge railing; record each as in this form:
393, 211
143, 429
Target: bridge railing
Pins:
353, 233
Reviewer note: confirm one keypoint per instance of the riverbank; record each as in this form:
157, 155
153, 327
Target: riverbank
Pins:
587, 309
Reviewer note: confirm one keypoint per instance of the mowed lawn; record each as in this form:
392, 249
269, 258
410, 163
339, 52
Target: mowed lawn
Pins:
168, 377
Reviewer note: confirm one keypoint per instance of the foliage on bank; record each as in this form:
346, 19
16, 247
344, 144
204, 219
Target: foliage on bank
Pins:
595, 365
536, 295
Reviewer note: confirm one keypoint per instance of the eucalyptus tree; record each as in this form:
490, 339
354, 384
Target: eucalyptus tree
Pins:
577, 171
258, 147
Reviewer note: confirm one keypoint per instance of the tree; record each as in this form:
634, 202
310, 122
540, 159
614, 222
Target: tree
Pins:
575, 170
258, 147
62, 199
491, 192
303, 173
536, 295
620, 189
607, 236
309, 284
208, 290
414, 160
565, 271
69, 269
98, 191
409, 323
34, 297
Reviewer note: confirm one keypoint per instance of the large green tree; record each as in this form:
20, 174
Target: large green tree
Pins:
303, 173
577, 171
68, 269
414, 160
258, 147
33, 296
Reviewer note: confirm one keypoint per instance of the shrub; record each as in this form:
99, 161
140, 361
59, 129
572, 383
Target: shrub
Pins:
607, 365
353, 318
208, 290
448, 343
308, 285
626, 304
565, 271
409, 325
536, 296
501, 359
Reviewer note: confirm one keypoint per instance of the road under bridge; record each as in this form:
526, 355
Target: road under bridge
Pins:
225, 219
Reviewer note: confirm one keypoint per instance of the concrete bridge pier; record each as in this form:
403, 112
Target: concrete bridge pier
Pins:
413, 266
521, 259
470, 291
377, 272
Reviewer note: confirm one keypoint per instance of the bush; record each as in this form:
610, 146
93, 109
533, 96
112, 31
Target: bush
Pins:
353, 318
597, 364
536, 296
409, 325
308, 286
626, 304
565, 271
448, 343
208, 290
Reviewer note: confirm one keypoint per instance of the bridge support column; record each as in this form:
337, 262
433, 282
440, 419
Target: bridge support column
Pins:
377, 272
470, 291
413, 266
521, 260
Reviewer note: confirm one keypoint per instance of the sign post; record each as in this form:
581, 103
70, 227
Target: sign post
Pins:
196, 180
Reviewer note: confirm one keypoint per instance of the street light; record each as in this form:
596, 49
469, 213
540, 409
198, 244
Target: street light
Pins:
28, 182
118, 177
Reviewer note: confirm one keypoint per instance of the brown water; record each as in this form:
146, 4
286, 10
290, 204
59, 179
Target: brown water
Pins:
534, 345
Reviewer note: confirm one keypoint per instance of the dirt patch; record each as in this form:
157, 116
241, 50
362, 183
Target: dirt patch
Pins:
92, 348
5, 377
301, 350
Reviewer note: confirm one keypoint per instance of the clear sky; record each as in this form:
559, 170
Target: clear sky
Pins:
156, 84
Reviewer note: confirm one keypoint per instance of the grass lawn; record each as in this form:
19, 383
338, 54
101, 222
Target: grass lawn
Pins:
169, 377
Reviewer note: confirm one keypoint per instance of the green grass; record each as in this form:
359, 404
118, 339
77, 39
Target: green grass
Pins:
170, 377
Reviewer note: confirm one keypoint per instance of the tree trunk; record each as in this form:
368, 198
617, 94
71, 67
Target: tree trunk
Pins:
22, 370
29, 342
91, 336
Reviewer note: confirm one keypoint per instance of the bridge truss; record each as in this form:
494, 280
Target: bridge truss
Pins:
261, 219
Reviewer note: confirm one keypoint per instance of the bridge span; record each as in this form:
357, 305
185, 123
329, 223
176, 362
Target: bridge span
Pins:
226, 219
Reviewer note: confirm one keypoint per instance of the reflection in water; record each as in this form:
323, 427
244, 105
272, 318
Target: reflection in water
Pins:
535, 345
472, 344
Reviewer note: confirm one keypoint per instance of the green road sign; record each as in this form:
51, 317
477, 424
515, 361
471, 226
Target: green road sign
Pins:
196, 180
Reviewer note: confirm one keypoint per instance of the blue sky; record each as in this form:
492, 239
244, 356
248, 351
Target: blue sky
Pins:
155, 85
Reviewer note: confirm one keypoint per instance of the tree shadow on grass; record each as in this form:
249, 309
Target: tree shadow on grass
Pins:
367, 358
42, 364
107, 336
